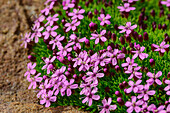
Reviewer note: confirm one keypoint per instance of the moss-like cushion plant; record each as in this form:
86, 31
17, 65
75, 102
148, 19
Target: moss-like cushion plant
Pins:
101, 55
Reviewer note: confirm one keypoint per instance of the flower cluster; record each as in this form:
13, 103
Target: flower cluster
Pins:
79, 56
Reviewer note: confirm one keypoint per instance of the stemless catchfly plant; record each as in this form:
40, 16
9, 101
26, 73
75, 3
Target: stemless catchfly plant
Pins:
103, 56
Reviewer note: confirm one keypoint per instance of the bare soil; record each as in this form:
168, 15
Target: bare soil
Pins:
16, 17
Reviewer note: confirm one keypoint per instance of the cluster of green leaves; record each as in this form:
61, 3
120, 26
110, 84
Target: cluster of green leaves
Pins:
161, 63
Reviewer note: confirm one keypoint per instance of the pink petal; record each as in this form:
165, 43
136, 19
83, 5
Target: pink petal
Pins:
97, 41
103, 39
158, 74
130, 109
68, 92
127, 104
96, 97
137, 109
158, 81
47, 103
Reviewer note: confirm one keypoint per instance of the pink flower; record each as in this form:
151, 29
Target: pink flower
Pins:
162, 47
153, 108
99, 37
130, 1
30, 70
128, 28
139, 53
36, 34
47, 9
90, 97
77, 14
59, 88
167, 109
133, 72
59, 72
47, 1
126, 8
68, 86
134, 86
154, 78
145, 92
66, 4
48, 98
34, 81
51, 20
106, 106
133, 105
48, 64
26, 39
130, 63
72, 25
77, 61
88, 86
76, 40
56, 41
50, 31
98, 59
44, 86
63, 50
38, 21
167, 3
104, 19
167, 88
94, 75
114, 56
84, 65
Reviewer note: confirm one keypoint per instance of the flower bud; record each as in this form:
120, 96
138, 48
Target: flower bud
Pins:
91, 52
106, 4
49, 47
145, 18
102, 11
45, 77
135, 35
140, 38
113, 36
153, 13
125, 84
32, 58
63, 21
118, 94
109, 34
161, 13
117, 68
152, 62
87, 4
124, 50
128, 39
168, 76
116, 27
145, 35
90, 15
131, 45
87, 42
122, 40
117, 46
159, 26
120, 101
146, 70
164, 26
121, 86
96, 12
168, 16
110, 3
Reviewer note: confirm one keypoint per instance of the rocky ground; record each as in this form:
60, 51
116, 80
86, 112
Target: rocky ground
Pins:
16, 17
